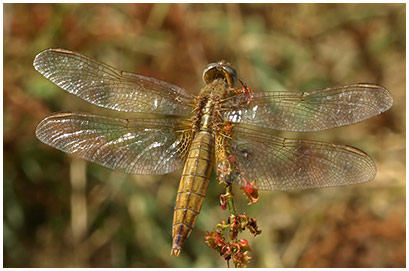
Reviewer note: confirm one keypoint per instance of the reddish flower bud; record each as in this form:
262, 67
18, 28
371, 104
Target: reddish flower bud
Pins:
223, 201
244, 243
214, 239
250, 191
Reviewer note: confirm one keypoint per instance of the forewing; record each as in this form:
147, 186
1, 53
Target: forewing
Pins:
277, 163
139, 146
107, 87
309, 111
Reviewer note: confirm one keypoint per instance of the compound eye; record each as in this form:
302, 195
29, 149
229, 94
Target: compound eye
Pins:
221, 69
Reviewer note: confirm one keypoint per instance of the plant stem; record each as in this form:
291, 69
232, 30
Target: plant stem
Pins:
230, 202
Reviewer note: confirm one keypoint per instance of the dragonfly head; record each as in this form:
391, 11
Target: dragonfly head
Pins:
221, 69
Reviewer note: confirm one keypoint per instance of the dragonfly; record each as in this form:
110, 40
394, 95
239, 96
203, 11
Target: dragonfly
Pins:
227, 128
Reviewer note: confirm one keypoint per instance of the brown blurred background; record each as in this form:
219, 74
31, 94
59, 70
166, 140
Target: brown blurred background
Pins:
62, 212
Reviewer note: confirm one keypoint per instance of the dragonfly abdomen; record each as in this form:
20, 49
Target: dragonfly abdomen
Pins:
192, 188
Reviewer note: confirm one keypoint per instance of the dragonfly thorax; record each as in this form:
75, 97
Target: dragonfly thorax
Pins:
208, 103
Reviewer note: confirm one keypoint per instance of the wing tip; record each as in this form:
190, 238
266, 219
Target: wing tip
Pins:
371, 170
45, 121
39, 132
386, 98
38, 59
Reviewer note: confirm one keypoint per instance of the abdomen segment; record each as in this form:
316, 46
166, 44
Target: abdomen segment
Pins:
192, 188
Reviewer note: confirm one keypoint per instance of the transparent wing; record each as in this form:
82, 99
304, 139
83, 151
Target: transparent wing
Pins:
107, 87
312, 110
277, 163
139, 146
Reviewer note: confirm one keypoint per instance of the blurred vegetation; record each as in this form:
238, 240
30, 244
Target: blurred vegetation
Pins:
63, 212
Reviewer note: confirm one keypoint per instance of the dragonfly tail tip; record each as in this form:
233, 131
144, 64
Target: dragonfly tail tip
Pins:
175, 252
